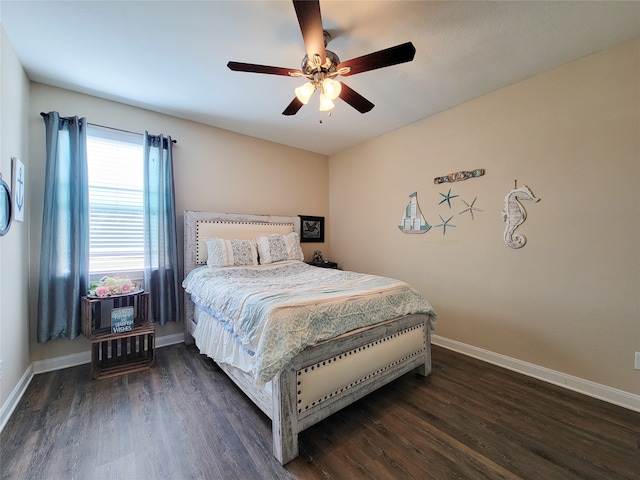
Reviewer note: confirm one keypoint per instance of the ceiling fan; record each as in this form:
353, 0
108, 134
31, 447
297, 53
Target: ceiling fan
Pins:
321, 66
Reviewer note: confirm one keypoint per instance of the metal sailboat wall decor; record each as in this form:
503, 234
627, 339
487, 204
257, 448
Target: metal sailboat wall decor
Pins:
413, 221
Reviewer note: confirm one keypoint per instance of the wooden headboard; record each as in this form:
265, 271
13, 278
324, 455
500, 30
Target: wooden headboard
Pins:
201, 225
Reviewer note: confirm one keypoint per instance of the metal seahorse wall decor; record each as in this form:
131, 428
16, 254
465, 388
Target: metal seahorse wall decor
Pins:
515, 215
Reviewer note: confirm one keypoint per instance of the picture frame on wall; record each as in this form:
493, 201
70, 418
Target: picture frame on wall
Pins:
311, 229
18, 175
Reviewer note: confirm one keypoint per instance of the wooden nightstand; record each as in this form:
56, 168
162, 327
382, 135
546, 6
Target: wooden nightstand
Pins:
324, 264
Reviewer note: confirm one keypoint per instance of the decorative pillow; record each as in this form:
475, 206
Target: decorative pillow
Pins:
230, 253
277, 247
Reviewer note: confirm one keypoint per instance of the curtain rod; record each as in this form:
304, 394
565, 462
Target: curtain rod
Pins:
112, 128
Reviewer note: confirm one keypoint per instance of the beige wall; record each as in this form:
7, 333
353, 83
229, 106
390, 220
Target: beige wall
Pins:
14, 323
215, 170
569, 299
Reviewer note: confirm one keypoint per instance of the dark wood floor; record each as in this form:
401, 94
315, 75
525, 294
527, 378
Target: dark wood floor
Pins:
184, 419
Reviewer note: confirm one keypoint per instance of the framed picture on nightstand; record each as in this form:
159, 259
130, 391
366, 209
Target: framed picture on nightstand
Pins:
311, 229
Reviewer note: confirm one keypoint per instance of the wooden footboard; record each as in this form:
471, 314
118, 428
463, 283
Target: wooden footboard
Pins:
330, 375
368, 359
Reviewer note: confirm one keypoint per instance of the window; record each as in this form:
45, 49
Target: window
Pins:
115, 167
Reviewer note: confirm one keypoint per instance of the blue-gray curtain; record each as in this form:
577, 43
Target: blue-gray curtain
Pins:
161, 247
64, 257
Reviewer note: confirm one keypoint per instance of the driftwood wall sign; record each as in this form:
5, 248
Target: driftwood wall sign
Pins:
459, 176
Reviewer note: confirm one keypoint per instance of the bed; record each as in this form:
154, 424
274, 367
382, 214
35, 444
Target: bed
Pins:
295, 385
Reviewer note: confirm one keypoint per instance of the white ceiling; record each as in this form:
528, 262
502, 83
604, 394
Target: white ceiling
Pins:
171, 56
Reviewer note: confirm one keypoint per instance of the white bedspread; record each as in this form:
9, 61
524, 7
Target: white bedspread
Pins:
275, 311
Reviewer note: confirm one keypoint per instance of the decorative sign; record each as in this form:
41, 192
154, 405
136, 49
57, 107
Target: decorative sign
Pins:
18, 190
121, 319
459, 176
515, 215
413, 221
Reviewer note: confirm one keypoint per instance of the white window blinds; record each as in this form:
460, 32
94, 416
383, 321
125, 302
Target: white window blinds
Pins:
116, 243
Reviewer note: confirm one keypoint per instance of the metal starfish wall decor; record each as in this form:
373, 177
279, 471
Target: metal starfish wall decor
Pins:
470, 208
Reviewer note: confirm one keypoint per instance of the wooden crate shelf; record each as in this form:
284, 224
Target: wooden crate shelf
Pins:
94, 320
115, 354
120, 353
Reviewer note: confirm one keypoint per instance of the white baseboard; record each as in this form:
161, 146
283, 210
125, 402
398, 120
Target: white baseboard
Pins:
75, 359
586, 387
167, 340
58, 363
14, 398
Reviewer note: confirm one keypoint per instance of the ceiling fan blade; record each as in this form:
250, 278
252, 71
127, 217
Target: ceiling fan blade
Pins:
354, 99
253, 68
380, 59
293, 107
310, 20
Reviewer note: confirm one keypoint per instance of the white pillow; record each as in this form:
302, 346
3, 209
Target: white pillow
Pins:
230, 253
277, 247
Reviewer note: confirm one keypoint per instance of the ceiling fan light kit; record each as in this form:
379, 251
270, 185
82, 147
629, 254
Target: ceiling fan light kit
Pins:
320, 66
331, 88
305, 91
325, 103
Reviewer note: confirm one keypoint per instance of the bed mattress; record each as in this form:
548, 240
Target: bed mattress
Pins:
272, 312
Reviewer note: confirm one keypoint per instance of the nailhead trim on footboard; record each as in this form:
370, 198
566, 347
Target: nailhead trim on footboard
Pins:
363, 363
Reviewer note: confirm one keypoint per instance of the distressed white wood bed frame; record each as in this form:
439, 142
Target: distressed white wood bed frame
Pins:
325, 377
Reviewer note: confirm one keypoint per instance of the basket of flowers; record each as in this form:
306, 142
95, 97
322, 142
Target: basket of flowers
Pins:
111, 286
